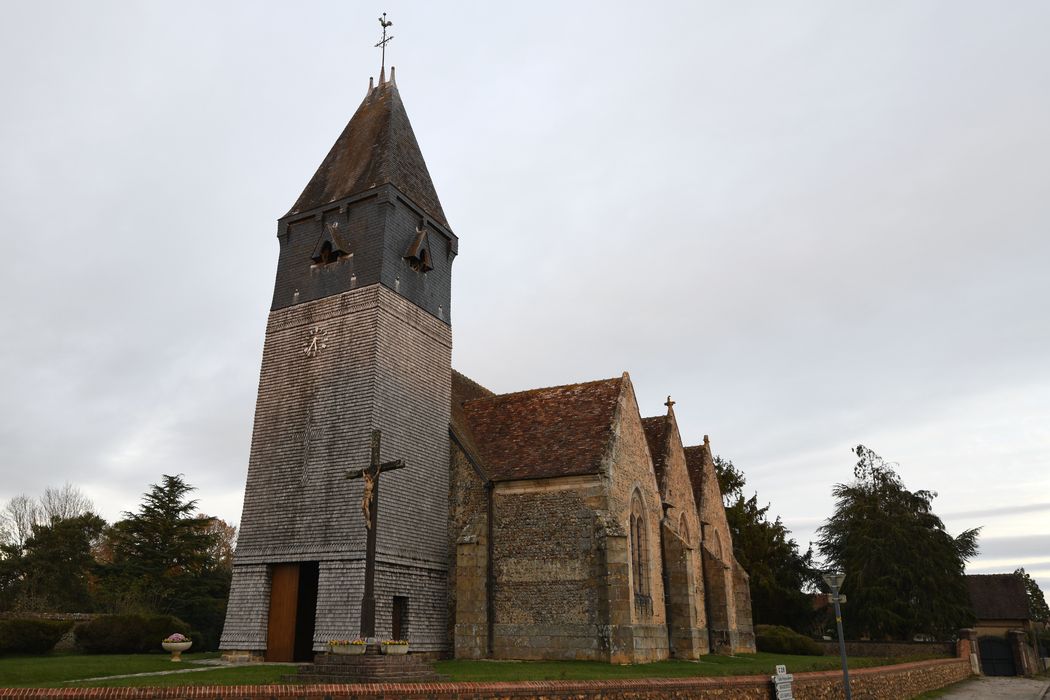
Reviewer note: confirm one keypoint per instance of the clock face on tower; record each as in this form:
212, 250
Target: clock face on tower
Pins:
316, 341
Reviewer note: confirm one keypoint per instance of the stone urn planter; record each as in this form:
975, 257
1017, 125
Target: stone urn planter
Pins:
350, 649
176, 647
394, 648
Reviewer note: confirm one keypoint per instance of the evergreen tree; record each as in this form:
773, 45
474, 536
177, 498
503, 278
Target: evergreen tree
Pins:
904, 572
779, 572
163, 560
1037, 606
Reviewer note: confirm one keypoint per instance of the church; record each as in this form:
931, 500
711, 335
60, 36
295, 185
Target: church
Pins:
389, 496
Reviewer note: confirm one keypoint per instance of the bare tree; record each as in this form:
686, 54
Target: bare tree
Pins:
64, 503
19, 515
221, 552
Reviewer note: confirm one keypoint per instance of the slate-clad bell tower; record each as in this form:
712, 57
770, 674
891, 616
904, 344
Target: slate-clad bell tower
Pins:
358, 339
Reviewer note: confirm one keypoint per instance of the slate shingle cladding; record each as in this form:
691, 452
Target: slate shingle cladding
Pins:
377, 147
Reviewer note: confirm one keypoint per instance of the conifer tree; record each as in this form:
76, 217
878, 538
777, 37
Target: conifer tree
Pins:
904, 572
1037, 606
162, 560
779, 572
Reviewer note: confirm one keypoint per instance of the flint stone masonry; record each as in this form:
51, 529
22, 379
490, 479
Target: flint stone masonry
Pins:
385, 364
546, 588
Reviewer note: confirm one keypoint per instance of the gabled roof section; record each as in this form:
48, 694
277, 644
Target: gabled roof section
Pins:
695, 457
463, 389
545, 433
377, 147
998, 596
656, 435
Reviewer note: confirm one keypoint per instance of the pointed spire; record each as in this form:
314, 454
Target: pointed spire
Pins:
394, 82
371, 86
382, 75
377, 147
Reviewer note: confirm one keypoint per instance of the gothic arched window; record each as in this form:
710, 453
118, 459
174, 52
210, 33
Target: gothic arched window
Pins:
639, 547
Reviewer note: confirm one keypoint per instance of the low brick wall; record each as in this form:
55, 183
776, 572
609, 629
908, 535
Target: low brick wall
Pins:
901, 682
891, 649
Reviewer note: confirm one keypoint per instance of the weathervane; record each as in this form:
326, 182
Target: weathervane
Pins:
382, 44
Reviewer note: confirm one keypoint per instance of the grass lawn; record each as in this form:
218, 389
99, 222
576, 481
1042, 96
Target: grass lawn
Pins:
52, 669
56, 670
744, 665
237, 675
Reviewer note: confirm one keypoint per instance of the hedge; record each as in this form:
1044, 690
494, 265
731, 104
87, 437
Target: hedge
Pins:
776, 639
28, 636
128, 634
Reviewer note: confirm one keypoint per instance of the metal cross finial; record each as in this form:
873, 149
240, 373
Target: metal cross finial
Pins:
384, 22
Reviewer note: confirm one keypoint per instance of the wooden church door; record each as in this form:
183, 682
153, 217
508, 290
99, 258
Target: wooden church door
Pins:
284, 597
293, 601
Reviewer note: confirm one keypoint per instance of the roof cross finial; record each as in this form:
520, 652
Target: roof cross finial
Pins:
384, 22
669, 403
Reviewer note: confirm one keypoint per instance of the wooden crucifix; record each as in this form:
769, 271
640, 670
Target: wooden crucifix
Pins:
370, 507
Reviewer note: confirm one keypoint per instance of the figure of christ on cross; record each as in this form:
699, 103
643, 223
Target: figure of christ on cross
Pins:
370, 507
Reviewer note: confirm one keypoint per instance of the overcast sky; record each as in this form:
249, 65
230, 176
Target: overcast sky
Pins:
814, 224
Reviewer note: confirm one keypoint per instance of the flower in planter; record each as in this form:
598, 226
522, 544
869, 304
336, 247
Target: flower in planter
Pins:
176, 638
347, 642
395, 641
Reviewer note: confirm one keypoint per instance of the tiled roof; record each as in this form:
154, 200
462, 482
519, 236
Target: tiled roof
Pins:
543, 433
463, 389
694, 464
656, 436
377, 147
998, 596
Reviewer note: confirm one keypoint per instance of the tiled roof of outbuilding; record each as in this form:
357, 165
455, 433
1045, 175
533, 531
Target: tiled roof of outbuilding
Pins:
544, 433
998, 596
656, 436
377, 147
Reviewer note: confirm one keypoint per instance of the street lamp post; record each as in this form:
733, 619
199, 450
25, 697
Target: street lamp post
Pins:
834, 580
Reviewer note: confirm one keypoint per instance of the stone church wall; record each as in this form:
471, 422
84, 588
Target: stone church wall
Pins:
546, 589
678, 491
628, 467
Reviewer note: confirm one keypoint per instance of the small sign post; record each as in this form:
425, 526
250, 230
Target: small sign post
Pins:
782, 684
834, 581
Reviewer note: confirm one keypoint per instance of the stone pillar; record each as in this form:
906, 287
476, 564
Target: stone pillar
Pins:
743, 631
617, 598
717, 593
472, 629
687, 638
967, 648
1022, 658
